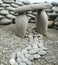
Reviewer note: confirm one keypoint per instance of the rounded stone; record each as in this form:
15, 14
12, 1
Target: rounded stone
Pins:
13, 55
42, 23
14, 5
10, 8
3, 12
22, 63
34, 51
19, 60
30, 57
36, 56
10, 16
5, 21
21, 25
24, 51
50, 24
35, 45
42, 52
20, 55
1, 1
12, 61
5, 5
1, 16
27, 61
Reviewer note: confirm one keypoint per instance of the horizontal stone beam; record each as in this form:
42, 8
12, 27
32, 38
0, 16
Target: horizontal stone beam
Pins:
32, 7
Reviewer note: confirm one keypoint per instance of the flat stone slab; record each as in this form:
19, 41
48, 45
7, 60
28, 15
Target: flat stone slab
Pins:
32, 7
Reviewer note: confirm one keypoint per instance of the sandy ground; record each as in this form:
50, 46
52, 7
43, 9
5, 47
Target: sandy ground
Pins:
9, 42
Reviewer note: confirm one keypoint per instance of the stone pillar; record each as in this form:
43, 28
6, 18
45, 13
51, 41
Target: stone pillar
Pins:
21, 25
41, 22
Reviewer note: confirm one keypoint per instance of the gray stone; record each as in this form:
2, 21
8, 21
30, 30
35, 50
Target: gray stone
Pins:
19, 60
20, 55
13, 55
10, 8
1, 1
50, 24
10, 16
1, 8
29, 47
5, 21
21, 25
22, 63
24, 51
41, 52
5, 5
36, 56
1, 16
28, 62
12, 61
8, 1
34, 51
4, 12
32, 7
34, 45
19, 3
14, 5
55, 8
30, 57
42, 23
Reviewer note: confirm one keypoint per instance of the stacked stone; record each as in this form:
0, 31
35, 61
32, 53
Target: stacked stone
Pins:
52, 14
7, 14
34, 50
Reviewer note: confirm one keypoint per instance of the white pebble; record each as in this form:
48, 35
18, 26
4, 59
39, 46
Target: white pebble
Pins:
36, 56
19, 55
12, 61
24, 51
33, 51
30, 57
41, 52
22, 63
35, 46
13, 55
28, 62
19, 60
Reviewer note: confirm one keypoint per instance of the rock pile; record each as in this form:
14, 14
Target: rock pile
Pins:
52, 14
7, 14
34, 50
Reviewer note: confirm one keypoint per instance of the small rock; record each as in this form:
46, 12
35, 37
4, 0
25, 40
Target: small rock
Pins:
13, 55
10, 16
19, 60
20, 55
10, 8
30, 38
1, 16
5, 21
24, 51
41, 52
22, 63
33, 51
30, 57
29, 47
28, 62
1, 64
4, 12
35, 46
12, 61
14, 5
36, 56
16, 63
